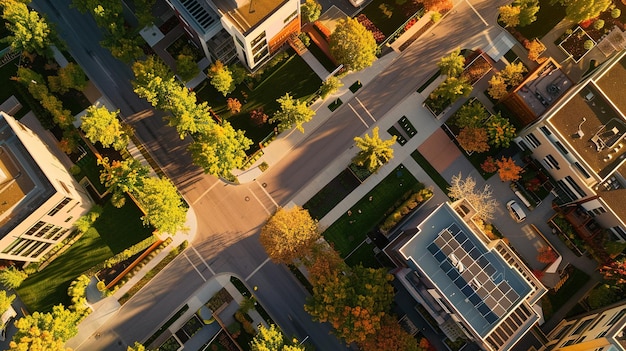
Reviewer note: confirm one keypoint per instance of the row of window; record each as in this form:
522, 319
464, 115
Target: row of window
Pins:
587, 325
49, 231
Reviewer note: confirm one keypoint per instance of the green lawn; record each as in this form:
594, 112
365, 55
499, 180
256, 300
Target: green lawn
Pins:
349, 231
364, 255
119, 228
293, 76
547, 17
575, 282
89, 168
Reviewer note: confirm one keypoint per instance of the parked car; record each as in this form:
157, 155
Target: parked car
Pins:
516, 211
6, 319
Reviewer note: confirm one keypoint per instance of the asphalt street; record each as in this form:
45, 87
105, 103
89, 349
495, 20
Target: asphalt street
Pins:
230, 216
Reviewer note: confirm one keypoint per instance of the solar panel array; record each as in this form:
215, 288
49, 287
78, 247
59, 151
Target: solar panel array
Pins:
472, 273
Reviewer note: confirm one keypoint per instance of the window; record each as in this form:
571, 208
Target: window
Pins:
290, 17
13, 244
35, 228
598, 320
239, 42
60, 234
532, 139
619, 231
617, 317
23, 246
581, 170
597, 211
566, 189
52, 232
561, 147
58, 207
32, 248
44, 230
545, 130
41, 249
575, 186
67, 190
258, 39
581, 327
552, 162
68, 219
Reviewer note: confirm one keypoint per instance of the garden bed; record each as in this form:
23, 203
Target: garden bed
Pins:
477, 68
574, 44
332, 194
388, 16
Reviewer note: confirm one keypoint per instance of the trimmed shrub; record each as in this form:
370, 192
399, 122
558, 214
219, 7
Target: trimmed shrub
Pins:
405, 208
588, 45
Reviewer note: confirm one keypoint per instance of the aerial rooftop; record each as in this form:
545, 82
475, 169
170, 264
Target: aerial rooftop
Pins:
246, 14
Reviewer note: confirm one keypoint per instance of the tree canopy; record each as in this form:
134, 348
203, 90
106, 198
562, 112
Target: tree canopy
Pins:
451, 89
508, 169
310, 10
390, 337
500, 130
100, 124
12, 277
163, 206
374, 151
581, 10
453, 64
5, 301
272, 339
61, 324
121, 177
220, 149
292, 112
221, 78
68, 77
470, 114
289, 234
352, 45
30, 32
473, 139
481, 199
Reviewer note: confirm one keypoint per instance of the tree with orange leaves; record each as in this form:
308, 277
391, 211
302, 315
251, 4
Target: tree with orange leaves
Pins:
473, 139
546, 255
508, 169
437, 5
390, 337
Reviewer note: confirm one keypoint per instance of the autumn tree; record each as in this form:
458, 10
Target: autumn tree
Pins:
330, 86
150, 69
451, 89
121, 177
497, 87
615, 271
354, 303
453, 64
528, 11
481, 199
546, 255
68, 77
437, 5
186, 67
5, 302
289, 234
220, 149
374, 151
489, 165
29, 31
535, 48
163, 207
258, 116
36, 340
509, 15
61, 323
102, 125
324, 261
508, 169
272, 339
221, 78
500, 130
233, 105
310, 11
513, 74
12, 277
470, 115
581, 10
292, 112
473, 139
352, 45
390, 337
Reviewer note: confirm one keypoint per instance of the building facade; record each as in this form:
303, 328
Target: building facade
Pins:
250, 30
39, 199
473, 287
601, 330
580, 142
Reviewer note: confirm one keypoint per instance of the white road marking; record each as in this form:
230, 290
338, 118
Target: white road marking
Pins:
266, 193
477, 14
357, 114
366, 110
257, 269
194, 267
206, 191
259, 201
203, 261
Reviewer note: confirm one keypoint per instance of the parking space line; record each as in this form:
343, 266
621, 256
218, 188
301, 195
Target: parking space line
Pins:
203, 260
366, 110
194, 267
266, 193
205, 192
357, 114
259, 201
257, 269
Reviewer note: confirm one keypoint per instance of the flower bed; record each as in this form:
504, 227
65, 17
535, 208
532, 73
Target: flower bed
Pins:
415, 199
477, 69
378, 35
574, 44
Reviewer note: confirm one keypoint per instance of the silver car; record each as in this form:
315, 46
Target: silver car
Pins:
516, 211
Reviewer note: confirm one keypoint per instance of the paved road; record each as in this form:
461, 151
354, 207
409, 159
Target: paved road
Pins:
230, 216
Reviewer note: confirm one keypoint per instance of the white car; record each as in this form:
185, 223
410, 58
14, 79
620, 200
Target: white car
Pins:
7, 317
357, 3
516, 211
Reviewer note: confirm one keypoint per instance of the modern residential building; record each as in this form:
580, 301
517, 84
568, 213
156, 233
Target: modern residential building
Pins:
473, 287
39, 199
597, 330
251, 30
580, 142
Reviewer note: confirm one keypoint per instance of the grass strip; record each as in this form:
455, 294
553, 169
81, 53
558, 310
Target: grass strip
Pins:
431, 171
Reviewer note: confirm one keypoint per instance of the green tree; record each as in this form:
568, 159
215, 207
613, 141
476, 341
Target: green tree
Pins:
528, 11
352, 45
330, 86
221, 78
470, 115
500, 130
147, 70
121, 177
12, 277
292, 112
603, 296
581, 10
5, 302
36, 340
100, 124
289, 234
136, 347
162, 205
310, 11
374, 151
61, 323
186, 67
30, 32
513, 74
451, 89
272, 339
509, 15
68, 77
125, 47
238, 72
453, 64
143, 11
354, 302
220, 149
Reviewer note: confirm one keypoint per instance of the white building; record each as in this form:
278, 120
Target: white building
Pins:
580, 142
251, 30
39, 199
473, 287
598, 330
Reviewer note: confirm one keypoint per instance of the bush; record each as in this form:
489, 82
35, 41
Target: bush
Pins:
264, 166
101, 286
599, 24
615, 13
435, 17
588, 45
405, 208
305, 39
75, 170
